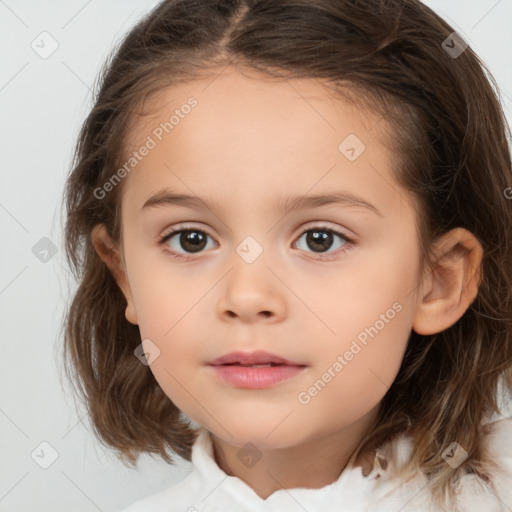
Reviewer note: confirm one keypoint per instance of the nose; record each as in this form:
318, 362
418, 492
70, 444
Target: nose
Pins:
252, 293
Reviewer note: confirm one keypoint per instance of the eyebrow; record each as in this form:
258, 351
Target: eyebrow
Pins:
287, 204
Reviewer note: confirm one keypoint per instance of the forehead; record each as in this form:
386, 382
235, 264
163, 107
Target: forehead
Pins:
254, 96
249, 136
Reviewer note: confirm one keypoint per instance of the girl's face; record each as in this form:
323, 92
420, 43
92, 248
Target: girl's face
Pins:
262, 267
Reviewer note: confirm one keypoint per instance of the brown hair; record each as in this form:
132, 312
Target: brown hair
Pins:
449, 134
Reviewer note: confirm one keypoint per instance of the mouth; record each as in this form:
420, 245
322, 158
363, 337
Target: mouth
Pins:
259, 357
267, 365
256, 370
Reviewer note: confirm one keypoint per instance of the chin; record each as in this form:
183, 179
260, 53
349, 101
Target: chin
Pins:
261, 433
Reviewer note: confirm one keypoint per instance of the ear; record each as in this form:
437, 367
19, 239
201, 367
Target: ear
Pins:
452, 285
110, 255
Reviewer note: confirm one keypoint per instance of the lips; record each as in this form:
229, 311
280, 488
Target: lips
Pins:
259, 358
255, 370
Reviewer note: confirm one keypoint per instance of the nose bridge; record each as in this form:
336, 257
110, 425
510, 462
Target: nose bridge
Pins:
251, 289
250, 250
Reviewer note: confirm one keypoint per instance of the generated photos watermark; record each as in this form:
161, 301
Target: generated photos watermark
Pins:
356, 346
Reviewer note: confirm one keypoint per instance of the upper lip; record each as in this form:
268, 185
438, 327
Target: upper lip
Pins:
257, 357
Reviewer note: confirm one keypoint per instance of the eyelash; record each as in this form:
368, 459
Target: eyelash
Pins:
348, 246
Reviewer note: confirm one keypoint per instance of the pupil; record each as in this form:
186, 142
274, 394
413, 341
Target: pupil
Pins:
316, 240
192, 241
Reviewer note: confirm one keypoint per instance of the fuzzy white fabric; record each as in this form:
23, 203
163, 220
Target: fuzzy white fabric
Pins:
209, 489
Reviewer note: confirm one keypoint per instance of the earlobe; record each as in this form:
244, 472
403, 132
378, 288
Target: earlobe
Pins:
452, 285
110, 255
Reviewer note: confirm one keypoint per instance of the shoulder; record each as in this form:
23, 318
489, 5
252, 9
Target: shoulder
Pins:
475, 493
472, 493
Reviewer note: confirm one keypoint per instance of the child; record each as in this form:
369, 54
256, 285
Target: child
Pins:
231, 139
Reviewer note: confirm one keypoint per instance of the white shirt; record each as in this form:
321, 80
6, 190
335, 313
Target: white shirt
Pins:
209, 489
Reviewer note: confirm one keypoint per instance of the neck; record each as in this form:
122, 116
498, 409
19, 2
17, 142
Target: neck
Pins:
314, 463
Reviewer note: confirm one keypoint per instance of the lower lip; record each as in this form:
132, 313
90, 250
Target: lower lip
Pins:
255, 378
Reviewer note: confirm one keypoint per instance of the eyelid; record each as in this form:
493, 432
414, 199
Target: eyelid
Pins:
309, 225
184, 227
322, 224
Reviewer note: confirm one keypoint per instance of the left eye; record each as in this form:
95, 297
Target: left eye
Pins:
320, 239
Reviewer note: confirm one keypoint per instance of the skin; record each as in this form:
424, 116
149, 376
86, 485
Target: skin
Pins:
247, 144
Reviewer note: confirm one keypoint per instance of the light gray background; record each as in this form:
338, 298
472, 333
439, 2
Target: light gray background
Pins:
43, 102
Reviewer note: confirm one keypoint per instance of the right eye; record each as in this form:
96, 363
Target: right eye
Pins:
191, 240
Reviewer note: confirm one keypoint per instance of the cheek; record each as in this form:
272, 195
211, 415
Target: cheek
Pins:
372, 322
374, 289
179, 359
354, 377
166, 309
165, 295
